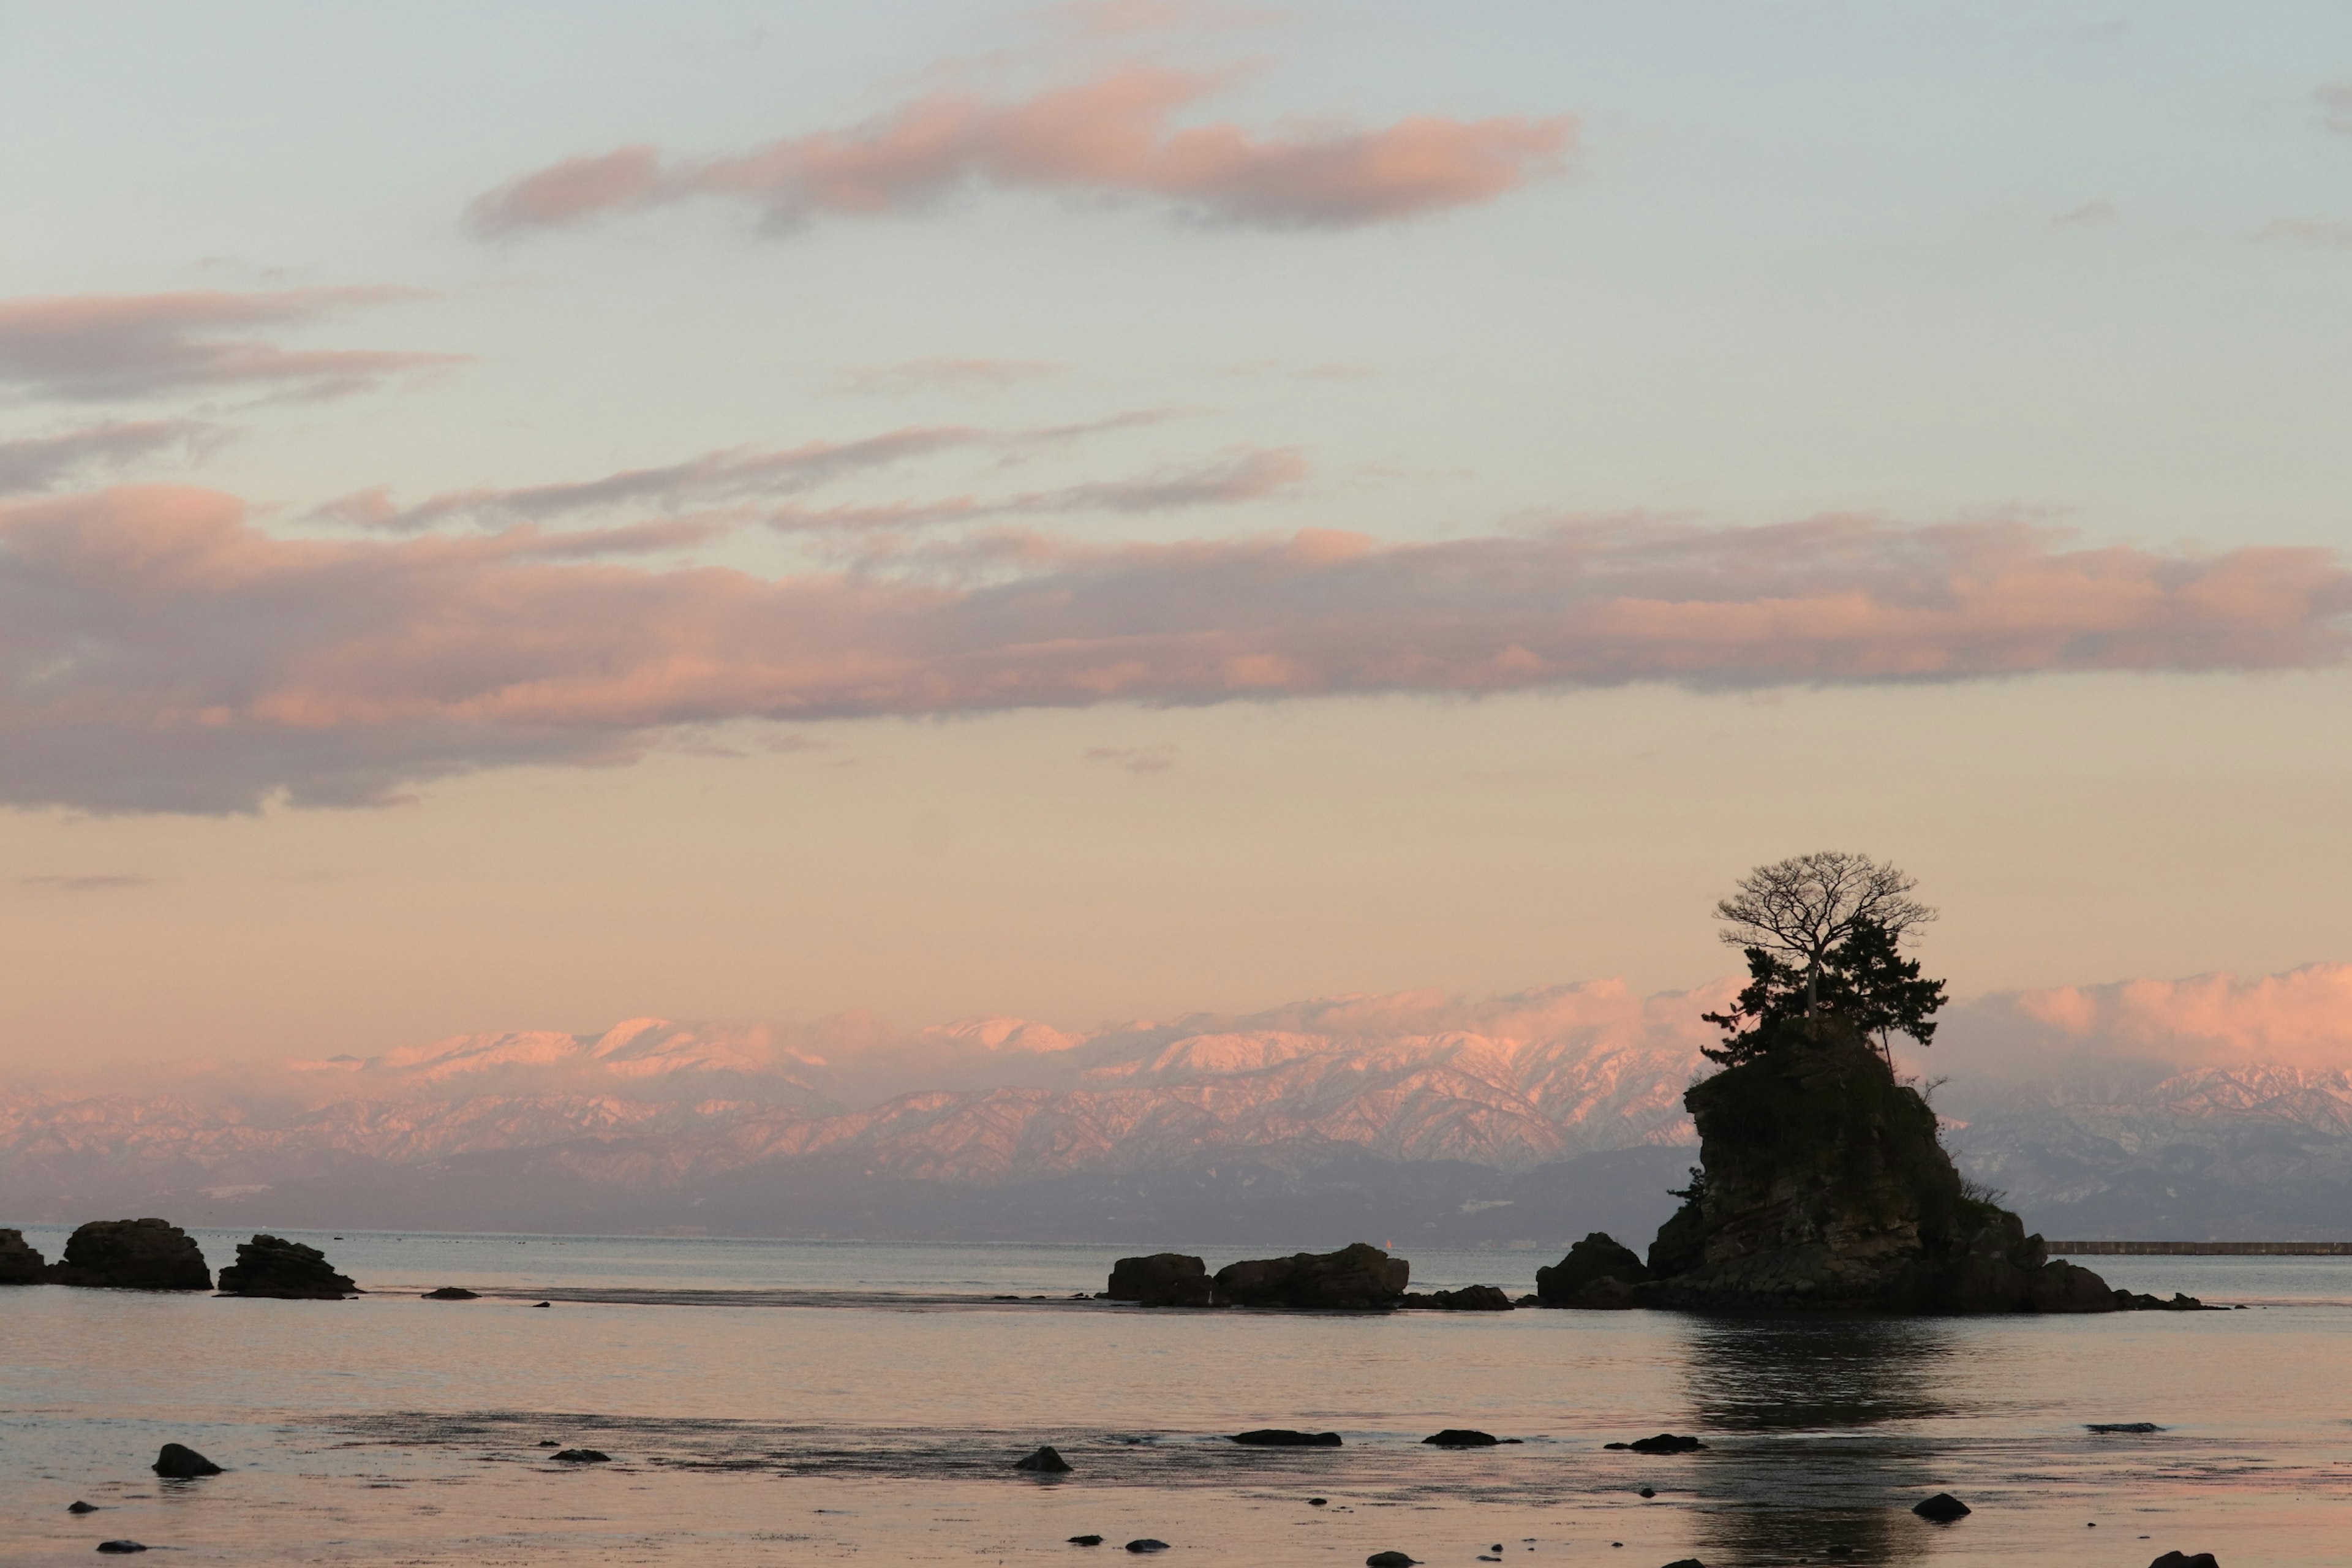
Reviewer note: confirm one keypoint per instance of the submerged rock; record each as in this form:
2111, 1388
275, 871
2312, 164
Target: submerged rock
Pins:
77, 1506
1283, 1438
1389, 1560
2179, 1560
1085, 1541
120, 1546
131, 1255
1823, 1187
453, 1293
1359, 1277
1462, 1437
19, 1263
286, 1271
583, 1456
1147, 1544
1596, 1258
1161, 1279
177, 1462
1942, 1509
1046, 1460
1664, 1443
2123, 1426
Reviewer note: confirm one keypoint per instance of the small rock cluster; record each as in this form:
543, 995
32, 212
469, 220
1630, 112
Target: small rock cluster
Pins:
1357, 1277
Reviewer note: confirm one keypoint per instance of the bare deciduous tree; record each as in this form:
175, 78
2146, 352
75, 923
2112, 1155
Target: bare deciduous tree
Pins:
1800, 909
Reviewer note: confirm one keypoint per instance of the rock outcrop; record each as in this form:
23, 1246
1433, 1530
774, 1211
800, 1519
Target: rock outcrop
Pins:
178, 1462
1468, 1298
1597, 1272
1822, 1185
19, 1263
272, 1265
131, 1255
1357, 1277
1162, 1280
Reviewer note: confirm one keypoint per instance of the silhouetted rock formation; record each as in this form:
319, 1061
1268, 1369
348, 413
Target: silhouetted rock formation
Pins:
1046, 1461
178, 1462
1469, 1298
1283, 1438
453, 1293
131, 1255
272, 1265
1596, 1261
19, 1264
1162, 1280
1823, 1187
1358, 1277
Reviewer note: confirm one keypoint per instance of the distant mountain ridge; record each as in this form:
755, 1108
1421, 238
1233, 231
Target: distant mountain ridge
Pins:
1506, 1119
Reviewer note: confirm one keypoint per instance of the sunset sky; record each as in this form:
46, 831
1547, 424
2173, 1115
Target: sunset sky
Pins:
528, 515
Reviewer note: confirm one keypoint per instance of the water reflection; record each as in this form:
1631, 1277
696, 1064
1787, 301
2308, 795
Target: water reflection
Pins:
1821, 1457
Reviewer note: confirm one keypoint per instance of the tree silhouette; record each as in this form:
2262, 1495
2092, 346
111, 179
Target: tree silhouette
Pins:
1865, 979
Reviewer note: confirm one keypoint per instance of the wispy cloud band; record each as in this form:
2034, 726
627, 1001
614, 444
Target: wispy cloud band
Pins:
157, 652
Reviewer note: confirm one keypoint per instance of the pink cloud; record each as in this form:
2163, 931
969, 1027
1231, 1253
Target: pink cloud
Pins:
2299, 1018
158, 652
38, 462
132, 345
1113, 135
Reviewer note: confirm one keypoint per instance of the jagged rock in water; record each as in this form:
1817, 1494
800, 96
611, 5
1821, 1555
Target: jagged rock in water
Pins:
19, 1263
1162, 1280
1046, 1461
1356, 1276
1469, 1298
1596, 1258
131, 1255
178, 1462
1825, 1187
272, 1265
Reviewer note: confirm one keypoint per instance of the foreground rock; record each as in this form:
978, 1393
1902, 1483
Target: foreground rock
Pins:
1823, 1187
1389, 1560
1357, 1277
180, 1463
115, 1548
286, 1271
1045, 1460
1469, 1298
1462, 1437
582, 1456
1597, 1272
1283, 1438
1942, 1509
1664, 1443
131, 1255
1162, 1280
453, 1293
19, 1263
2178, 1560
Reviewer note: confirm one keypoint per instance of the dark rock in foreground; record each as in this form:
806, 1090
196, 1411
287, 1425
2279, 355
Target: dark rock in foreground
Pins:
1283, 1438
19, 1263
453, 1293
1823, 1187
77, 1506
1469, 1298
583, 1456
120, 1546
2123, 1426
1358, 1277
131, 1255
1389, 1560
1046, 1460
1942, 1509
2178, 1560
1085, 1541
1598, 1271
1162, 1280
1664, 1443
1147, 1544
286, 1271
1462, 1437
179, 1463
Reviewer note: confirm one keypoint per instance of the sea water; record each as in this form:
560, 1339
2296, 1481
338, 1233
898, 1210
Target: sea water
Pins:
789, 1401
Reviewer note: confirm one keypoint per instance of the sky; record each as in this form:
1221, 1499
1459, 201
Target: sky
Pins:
526, 516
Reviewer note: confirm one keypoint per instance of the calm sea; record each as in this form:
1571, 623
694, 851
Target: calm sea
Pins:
794, 1401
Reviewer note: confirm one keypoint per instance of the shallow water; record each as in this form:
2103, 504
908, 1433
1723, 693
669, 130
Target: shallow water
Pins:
772, 1402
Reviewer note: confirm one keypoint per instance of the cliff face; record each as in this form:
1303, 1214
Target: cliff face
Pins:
1824, 1186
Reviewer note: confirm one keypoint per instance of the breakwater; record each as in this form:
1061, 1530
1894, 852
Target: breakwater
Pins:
2202, 1249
